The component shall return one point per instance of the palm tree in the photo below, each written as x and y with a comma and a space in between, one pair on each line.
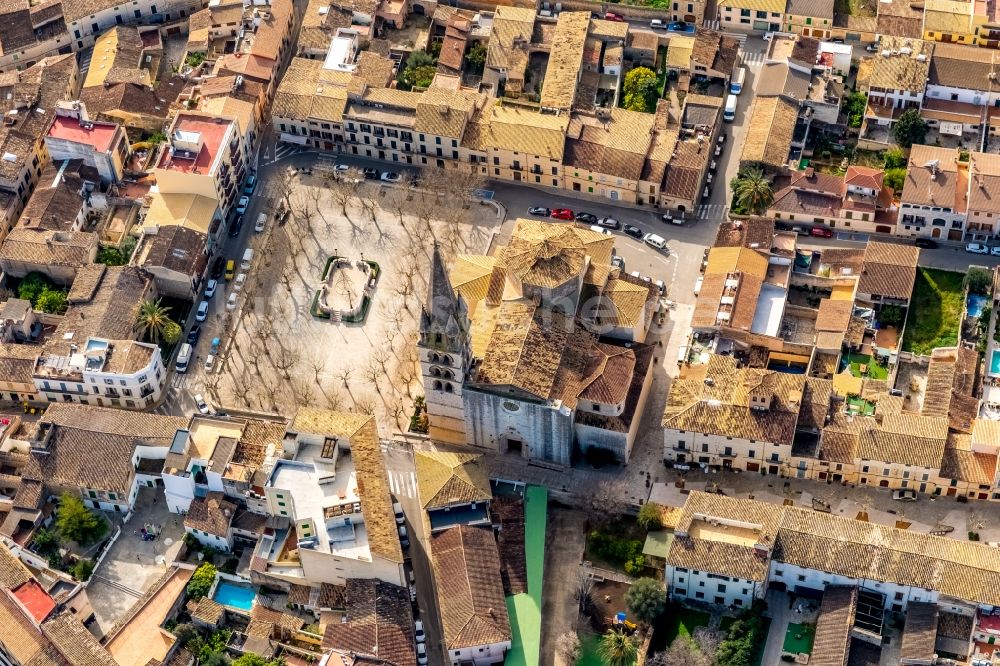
617, 649
753, 190
152, 320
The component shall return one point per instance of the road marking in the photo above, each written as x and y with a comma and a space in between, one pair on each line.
711, 211
403, 484
753, 60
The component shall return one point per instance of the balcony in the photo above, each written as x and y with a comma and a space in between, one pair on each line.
727, 454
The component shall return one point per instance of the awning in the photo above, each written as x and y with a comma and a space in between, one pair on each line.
294, 138
953, 129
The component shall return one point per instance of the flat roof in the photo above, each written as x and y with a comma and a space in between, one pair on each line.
34, 599
212, 134
98, 135
205, 434
770, 310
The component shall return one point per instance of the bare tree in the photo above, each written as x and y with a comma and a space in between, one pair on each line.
286, 187
606, 501
583, 591
708, 640
344, 287
365, 404
334, 398
343, 190
382, 358
212, 384
371, 372
568, 647
305, 392
318, 365
285, 359
344, 374
682, 652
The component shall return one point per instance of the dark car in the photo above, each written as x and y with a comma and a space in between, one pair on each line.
218, 268
586, 218
562, 214
236, 227
539, 211
609, 223
634, 232
193, 335
371, 174
926, 243
821, 232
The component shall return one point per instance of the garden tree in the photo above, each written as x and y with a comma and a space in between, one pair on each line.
708, 640
254, 659
895, 178
201, 580
639, 89
152, 320
184, 633
891, 315
854, 106
682, 652
978, 280
584, 588
78, 523
650, 516
894, 158
82, 569
419, 71
740, 644
753, 190
647, 599
32, 286
910, 128
475, 58
568, 647
52, 301
617, 648
172, 333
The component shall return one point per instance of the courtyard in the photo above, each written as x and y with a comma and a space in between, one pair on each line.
301, 334
935, 311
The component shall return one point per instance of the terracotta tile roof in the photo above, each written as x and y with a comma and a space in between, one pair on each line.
74, 642
17, 361
617, 146
933, 179
206, 610
445, 478
565, 60
176, 248
910, 27
772, 125
276, 617
299, 594
721, 402
57, 200
889, 269
985, 182
543, 255
42, 246
864, 177
755, 233
470, 592
833, 627
811, 8
834, 315
919, 632
378, 626
816, 397
951, 377
525, 349
519, 130
898, 72
443, 112
212, 514
248, 521
960, 462
12, 570
332, 596
20, 638
512, 29
907, 439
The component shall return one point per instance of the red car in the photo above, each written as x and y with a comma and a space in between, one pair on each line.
562, 213
821, 232
611, 16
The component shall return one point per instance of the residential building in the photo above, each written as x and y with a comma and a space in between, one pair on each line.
60, 255
87, 21
516, 403
732, 418
62, 200
771, 132
204, 157
453, 487
377, 626
950, 21
895, 79
331, 489
470, 595
810, 18
92, 357
689, 12
209, 520
934, 202
198, 460
176, 257
859, 200
960, 100
751, 15
983, 216
888, 273
102, 146
714, 55
35, 631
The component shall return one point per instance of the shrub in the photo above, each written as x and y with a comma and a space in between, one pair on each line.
978, 280
650, 516
78, 523
201, 581
635, 565
614, 549
82, 569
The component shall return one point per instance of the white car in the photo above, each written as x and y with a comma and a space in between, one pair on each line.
421, 654
199, 400
977, 248
995, 250
904, 495
342, 168
209, 362
261, 223
202, 313
391, 177
697, 284
241, 280
231, 301
418, 631
241, 205
210, 288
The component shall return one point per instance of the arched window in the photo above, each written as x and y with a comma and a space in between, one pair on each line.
434, 358
446, 360
447, 388
435, 372
447, 374
437, 385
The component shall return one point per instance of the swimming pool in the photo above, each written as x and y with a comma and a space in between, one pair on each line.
235, 596
995, 362
975, 304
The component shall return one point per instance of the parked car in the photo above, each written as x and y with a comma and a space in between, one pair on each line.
821, 232
251, 184
661, 286
261, 223
618, 262
241, 205
562, 214
341, 169
634, 232
199, 400
600, 230
698, 283
193, 334
977, 248
995, 251
370, 173
904, 495
586, 218
722, 137
211, 286
640, 276
241, 280
397, 510
658, 24
421, 655
391, 177
418, 631
609, 223
926, 243
230, 270
539, 211
231, 301
236, 226
202, 313
209, 362
218, 268
611, 16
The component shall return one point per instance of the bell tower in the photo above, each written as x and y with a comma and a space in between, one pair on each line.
445, 356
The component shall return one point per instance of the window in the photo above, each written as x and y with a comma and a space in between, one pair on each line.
801, 578
722, 587
699, 595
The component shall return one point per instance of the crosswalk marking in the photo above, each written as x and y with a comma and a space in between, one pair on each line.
710, 25
281, 151
753, 60
403, 483
711, 211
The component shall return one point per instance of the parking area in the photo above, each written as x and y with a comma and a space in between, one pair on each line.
132, 564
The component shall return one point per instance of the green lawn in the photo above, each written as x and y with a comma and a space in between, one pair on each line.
681, 621
875, 371
525, 610
861, 406
799, 638
935, 311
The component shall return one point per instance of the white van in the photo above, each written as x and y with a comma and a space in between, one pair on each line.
183, 358
247, 259
658, 242
736, 84
730, 113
